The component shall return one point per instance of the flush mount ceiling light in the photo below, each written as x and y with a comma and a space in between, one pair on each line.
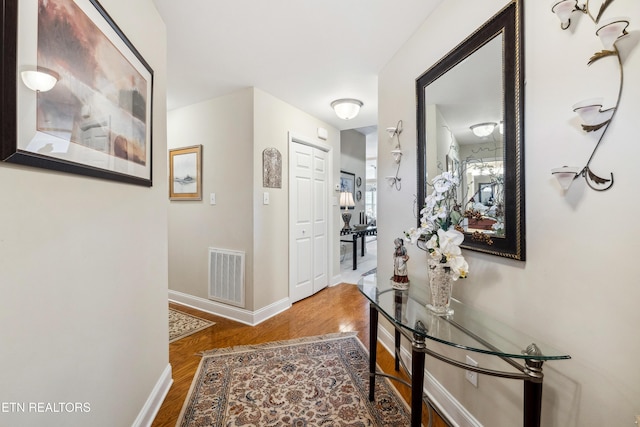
482, 130
346, 108
39, 80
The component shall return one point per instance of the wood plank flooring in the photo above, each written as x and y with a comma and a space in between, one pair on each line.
336, 309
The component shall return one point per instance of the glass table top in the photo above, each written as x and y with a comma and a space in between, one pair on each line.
467, 328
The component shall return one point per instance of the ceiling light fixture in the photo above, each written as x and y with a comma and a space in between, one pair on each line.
482, 130
346, 108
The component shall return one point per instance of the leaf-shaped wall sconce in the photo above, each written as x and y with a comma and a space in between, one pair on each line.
594, 117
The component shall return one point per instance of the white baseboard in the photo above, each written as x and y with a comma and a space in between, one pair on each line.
448, 405
241, 315
154, 401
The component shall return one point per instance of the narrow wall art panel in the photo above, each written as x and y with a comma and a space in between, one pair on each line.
271, 168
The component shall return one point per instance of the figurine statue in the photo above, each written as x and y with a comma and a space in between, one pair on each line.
400, 280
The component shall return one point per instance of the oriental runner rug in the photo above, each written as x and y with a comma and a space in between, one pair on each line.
314, 381
182, 324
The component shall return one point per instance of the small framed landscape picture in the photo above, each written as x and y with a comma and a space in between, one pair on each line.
185, 173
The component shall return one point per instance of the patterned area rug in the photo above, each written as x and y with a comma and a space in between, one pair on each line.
182, 325
315, 381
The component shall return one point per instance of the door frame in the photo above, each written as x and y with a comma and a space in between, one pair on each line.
295, 138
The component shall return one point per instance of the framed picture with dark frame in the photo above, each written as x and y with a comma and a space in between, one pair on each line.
94, 117
185, 173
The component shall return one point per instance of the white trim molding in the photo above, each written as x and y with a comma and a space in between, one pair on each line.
151, 407
448, 405
336, 280
241, 315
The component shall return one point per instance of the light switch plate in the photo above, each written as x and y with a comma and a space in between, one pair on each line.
212, 198
265, 198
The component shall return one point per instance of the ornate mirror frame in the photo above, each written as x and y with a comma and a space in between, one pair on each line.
507, 22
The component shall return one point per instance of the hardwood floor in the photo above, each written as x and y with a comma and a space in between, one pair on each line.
336, 309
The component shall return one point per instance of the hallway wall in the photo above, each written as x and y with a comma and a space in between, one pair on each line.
576, 290
353, 150
83, 276
234, 131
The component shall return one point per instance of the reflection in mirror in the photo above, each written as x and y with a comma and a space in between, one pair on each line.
463, 109
470, 124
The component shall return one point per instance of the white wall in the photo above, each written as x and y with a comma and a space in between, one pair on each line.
234, 131
223, 127
576, 290
353, 148
274, 119
84, 302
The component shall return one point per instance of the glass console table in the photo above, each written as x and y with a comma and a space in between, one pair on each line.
466, 329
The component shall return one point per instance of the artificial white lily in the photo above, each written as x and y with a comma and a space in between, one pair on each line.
451, 237
459, 267
438, 219
413, 234
440, 212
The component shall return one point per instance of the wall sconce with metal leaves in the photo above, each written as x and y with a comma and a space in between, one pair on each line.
394, 132
591, 111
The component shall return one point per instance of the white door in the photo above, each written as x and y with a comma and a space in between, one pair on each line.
320, 204
308, 253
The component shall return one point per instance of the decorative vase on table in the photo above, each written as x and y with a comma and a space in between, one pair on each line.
440, 235
440, 287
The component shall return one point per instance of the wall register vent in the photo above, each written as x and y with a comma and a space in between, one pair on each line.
226, 276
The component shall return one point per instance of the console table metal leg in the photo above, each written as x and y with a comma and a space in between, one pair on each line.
373, 349
417, 376
355, 251
532, 404
397, 349
533, 394
362, 243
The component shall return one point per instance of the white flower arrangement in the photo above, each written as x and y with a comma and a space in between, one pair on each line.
439, 221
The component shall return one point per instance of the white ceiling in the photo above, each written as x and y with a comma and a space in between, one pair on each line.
304, 52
